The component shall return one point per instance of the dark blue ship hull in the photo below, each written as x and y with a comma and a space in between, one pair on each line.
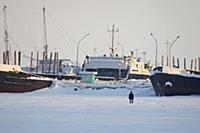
138, 76
166, 84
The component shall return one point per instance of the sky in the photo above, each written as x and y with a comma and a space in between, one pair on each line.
69, 20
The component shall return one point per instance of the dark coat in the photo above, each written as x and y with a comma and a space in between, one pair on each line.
131, 95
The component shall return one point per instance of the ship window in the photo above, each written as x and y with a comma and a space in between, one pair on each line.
91, 70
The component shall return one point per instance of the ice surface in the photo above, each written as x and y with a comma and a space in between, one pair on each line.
61, 109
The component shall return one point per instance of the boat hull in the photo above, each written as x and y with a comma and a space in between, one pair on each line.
115, 74
13, 82
138, 76
166, 84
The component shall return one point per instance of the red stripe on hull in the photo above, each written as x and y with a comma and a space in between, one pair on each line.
17, 82
21, 89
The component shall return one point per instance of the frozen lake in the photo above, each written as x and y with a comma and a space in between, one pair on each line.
61, 109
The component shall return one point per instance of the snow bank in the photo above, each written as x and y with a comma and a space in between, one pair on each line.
139, 87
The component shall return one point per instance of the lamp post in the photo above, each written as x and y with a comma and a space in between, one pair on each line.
77, 53
156, 54
170, 49
167, 52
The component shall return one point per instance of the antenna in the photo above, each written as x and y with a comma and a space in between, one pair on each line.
45, 36
113, 31
94, 51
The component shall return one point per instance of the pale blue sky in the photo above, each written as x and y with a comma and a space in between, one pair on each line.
135, 19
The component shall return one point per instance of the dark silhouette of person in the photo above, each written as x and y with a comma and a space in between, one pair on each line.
131, 97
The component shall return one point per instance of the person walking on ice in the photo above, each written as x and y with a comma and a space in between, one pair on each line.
131, 97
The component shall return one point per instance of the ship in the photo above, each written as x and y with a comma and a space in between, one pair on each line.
117, 68
114, 67
48, 66
107, 67
57, 69
168, 81
14, 80
138, 69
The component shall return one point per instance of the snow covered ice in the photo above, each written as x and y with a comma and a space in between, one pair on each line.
61, 109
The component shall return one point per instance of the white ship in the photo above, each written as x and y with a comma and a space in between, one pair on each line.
114, 67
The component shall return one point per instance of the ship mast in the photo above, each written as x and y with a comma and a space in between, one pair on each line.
7, 54
45, 36
113, 31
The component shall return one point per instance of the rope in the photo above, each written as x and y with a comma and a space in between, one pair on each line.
58, 27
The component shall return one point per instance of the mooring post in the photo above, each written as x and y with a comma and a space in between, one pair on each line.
184, 63
31, 61
43, 57
178, 64
19, 58
50, 63
15, 58
173, 61
191, 65
199, 63
54, 63
195, 64
37, 61
57, 65
4, 58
